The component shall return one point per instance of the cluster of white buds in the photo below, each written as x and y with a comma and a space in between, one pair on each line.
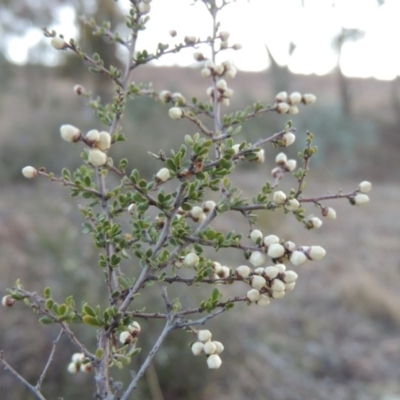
279, 251
225, 69
220, 271
223, 92
7, 301
165, 96
190, 39
362, 198
287, 104
100, 143
130, 335
283, 165
211, 349
79, 363
266, 283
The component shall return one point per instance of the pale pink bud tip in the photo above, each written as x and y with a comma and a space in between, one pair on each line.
214, 361
175, 113
97, 158
70, 133
204, 335
7, 301
163, 174
257, 258
197, 348
58, 43
29, 172
361, 199
365, 187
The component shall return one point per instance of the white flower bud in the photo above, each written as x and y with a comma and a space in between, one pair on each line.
281, 158
131, 207
260, 156
93, 135
228, 93
222, 85
173, 32
277, 285
290, 246
29, 172
225, 102
292, 205
58, 43
257, 258
295, 98
197, 348
360, 199
308, 99
278, 295
282, 108
289, 286
214, 361
209, 64
289, 277
224, 35
243, 271
175, 113
365, 187
271, 272
258, 282
219, 70
279, 197
259, 271
204, 335
281, 96
163, 174
227, 64
70, 133
314, 222
125, 337
237, 46
198, 56
280, 267
210, 348
217, 267
165, 96
144, 8
72, 368
104, 142
316, 253
219, 347
190, 39
255, 235
329, 213
209, 206
276, 250
79, 89
77, 357
270, 239
263, 301
87, 367
178, 97
225, 272
134, 329
205, 72
191, 260
293, 110
231, 73
253, 295
7, 301
97, 158
290, 165
298, 258
288, 138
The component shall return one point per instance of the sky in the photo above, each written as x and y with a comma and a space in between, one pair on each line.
277, 23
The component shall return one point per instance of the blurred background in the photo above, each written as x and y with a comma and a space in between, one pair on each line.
337, 334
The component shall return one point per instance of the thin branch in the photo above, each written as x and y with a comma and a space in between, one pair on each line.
49, 361
33, 389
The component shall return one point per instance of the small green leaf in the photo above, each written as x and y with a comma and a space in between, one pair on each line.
89, 320
46, 320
